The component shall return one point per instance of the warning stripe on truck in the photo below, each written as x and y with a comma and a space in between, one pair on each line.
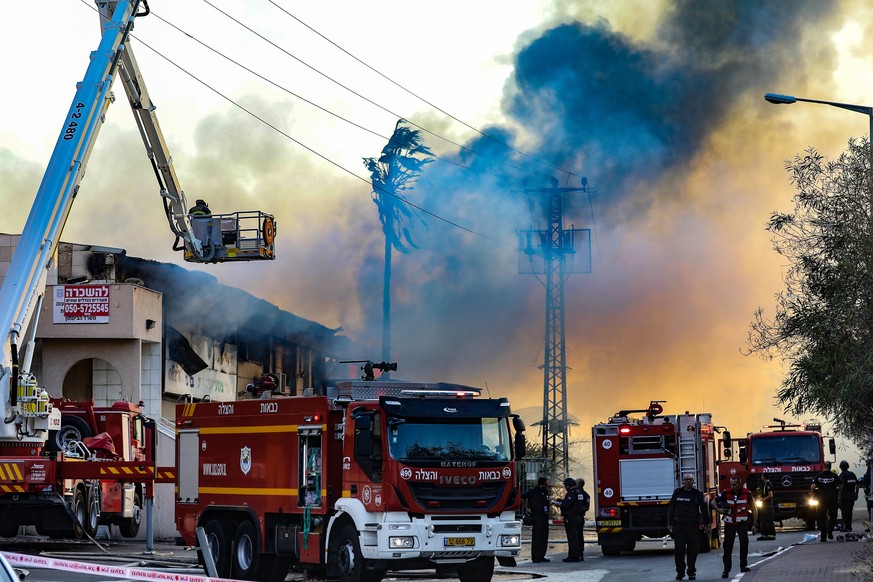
10, 472
123, 572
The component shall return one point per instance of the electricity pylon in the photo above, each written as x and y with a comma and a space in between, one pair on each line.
546, 252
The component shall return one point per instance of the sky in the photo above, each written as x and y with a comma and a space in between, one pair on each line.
658, 103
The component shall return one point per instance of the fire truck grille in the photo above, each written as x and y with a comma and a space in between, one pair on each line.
482, 497
458, 528
783, 481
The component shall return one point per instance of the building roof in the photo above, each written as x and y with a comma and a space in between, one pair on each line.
198, 302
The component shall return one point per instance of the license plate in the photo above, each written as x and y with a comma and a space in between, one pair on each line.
609, 523
787, 505
459, 542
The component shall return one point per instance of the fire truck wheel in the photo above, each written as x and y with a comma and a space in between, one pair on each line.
92, 517
246, 558
479, 570
611, 549
350, 562
129, 527
72, 429
80, 511
8, 529
218, 538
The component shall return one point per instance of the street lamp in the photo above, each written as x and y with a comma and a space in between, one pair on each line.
778, 99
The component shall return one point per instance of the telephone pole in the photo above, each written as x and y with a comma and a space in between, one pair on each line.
551, 252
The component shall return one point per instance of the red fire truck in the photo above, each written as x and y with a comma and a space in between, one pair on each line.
638, 463
792, 455
373, 476
96, 469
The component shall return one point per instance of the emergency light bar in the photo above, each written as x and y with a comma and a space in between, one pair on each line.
363, 390
426, 393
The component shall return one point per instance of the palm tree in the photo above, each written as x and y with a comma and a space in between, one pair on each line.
393, 173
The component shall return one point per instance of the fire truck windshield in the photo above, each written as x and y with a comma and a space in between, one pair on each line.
440, 439
782, 449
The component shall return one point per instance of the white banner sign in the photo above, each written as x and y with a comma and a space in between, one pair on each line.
81, 304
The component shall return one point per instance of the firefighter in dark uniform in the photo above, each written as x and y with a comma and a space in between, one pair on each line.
687, 516
571, 511
825, 489
585, 499
766, 527
200, 208
738, 511
849, 494
538, 505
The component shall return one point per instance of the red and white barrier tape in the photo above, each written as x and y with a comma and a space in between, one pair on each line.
26, 560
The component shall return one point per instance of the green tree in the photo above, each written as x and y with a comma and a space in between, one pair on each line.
391, 174
823, 322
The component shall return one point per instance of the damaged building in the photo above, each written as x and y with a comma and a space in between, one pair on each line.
114, 327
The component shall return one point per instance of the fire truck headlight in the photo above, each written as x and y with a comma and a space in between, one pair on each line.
759, 503
813, 502
401, 542
510, 541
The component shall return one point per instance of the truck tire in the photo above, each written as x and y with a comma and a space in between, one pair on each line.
350, 562
80, 513
129, 527
72, 428
218, 540
246, 558
8, 529
479, 570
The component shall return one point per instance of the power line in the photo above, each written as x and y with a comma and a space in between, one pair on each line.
352, 91
422, 99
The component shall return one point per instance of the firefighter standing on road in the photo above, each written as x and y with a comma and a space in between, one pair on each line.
538, 504
585, 500
766, 527
848, 495
826, 488
571, 511
686, 518
736, 505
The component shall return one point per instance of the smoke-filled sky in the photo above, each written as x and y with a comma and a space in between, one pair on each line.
658, 103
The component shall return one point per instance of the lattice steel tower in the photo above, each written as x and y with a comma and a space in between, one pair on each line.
546, 252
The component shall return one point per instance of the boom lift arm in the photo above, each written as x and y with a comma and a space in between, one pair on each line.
217, 238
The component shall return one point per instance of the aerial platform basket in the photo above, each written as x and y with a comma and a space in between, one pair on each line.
234, 236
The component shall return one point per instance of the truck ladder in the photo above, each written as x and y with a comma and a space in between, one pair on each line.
689, 447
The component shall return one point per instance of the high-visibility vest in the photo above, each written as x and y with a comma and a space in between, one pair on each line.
738, 506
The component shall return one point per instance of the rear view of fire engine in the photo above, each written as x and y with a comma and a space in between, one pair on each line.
373, 476
791, 454
638, 463
71, 489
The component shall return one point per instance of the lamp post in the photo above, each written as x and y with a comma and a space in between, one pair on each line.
778, 99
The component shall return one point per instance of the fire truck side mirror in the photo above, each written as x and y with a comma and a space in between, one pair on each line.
742, 449
832, 446
520, 445
363, 436
726, 439
517, 424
